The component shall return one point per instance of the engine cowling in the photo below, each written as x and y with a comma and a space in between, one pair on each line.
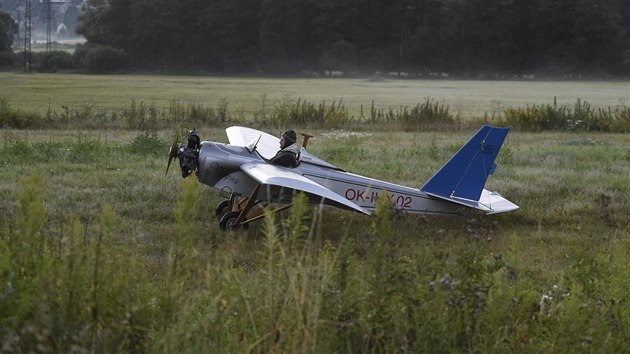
188, 154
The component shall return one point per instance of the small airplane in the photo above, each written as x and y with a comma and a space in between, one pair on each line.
242, 170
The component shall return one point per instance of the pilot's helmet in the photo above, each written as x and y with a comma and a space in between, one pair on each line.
289, 137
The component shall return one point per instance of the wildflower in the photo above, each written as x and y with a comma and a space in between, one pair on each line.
445, 283
543, 300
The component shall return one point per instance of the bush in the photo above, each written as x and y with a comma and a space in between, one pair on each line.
582, 117
10, 117
7, 58
80, 52
425, 115
101, 59
56, 60
332, 115
147, 142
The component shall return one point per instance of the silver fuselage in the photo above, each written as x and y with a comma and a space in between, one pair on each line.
220, 168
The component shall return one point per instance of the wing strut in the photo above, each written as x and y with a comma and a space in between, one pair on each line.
248, 206
241, 214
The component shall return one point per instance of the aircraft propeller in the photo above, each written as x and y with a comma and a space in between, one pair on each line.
173, 151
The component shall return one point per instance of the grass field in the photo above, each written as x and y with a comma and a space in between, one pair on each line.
100, 252
38, 92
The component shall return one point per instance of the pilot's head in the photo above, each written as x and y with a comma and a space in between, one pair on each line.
287, 138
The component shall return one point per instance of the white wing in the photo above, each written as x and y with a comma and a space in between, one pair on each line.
268, 145
277, 176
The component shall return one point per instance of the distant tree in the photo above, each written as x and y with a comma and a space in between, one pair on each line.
56, 60
286, 34
333, 21
71, 19
407, 16
102, 59
230, 35
155, 33
8, 29
521, 28
554, 38
160, 32
427, 42
106, 22
341, 55
379, 32
624, 11
598, 35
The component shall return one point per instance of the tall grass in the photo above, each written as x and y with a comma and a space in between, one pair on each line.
427, 115
580, 117
15, 118
102, 253
333, 115
298, 288
80, 291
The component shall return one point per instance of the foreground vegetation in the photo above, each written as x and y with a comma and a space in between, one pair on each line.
100, 252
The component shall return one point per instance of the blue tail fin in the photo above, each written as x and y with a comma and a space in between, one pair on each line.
465, 174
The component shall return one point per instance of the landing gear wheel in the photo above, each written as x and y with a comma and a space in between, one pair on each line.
222, 209
228, 222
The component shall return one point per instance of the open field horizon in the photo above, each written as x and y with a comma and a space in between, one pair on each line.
41, 92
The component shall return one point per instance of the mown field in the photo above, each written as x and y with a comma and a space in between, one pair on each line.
99, 251
42, 92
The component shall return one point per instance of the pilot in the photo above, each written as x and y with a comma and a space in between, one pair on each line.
286, 156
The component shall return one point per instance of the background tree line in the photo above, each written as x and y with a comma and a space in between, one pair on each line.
8, 29
459, 37
464, 37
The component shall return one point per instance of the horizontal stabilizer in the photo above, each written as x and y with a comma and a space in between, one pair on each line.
489, 202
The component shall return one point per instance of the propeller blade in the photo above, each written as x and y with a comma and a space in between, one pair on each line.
172, 153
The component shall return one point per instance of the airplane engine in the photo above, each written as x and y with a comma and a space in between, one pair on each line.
188, 154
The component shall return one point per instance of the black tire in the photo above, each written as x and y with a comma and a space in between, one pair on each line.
228, 222
222, 209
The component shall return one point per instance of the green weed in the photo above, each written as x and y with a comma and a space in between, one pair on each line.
428, 115
14, 118
147, 142
581, 117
